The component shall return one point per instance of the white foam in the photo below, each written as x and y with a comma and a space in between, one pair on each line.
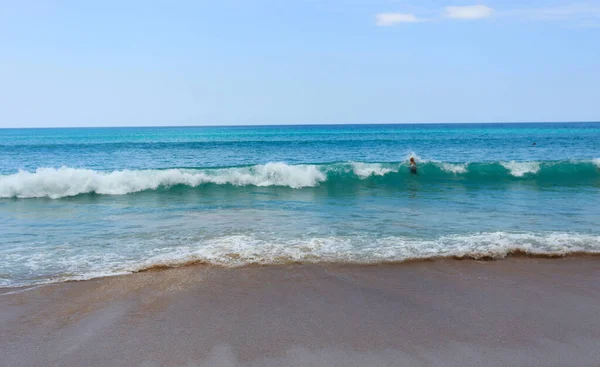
454, 168
519, 169
596, 162
62, 182
75, 263
364, 170
56, 183
244, 250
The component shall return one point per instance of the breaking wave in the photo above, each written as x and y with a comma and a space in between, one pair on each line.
244, 250
64, 182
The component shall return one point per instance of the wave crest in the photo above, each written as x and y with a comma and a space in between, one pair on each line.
519, 169
455, 168
64, 182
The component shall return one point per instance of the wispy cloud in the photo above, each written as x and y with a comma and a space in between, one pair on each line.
391, 19
470, 12
577, 11
581, 14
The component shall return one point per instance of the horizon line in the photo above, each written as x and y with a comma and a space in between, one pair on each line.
298, 125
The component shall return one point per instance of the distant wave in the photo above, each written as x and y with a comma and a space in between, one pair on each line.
64, 182
243, 250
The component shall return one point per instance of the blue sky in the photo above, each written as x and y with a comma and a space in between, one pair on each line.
114, 63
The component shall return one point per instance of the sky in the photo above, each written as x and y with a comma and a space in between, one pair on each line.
227, 62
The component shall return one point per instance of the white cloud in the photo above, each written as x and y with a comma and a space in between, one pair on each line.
468, 12
392, 19
582, 14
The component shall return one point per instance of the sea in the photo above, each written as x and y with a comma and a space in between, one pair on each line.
80, 203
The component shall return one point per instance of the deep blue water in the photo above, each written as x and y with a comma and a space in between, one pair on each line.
79, 203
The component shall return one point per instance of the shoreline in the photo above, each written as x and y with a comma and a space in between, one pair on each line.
160, 267
517, 311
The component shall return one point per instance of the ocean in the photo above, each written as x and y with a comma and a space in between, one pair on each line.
90, 202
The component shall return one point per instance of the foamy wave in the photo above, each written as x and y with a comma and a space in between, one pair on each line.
519, 169
241, 250
365, 170
245, 250
56, 183
64, 182
454, 168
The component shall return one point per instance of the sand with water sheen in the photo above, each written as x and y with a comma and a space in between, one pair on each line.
518, 312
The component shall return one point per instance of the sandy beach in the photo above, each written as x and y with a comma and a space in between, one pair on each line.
519, 311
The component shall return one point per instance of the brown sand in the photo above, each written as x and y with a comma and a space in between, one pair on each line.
517, 312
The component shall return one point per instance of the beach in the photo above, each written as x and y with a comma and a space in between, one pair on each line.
518, 311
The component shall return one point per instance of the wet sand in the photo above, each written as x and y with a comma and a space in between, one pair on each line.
518, 312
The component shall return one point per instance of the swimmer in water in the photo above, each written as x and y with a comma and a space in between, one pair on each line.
413, 166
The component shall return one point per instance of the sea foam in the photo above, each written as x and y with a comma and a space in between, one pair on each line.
519, 169
62, 182
242, 250
455, 168
56, 183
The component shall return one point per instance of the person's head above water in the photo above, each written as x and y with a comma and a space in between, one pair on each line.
412, 159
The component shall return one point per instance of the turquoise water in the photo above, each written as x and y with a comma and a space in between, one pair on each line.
81, 203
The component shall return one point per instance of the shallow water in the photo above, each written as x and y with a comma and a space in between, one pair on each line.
80, 203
